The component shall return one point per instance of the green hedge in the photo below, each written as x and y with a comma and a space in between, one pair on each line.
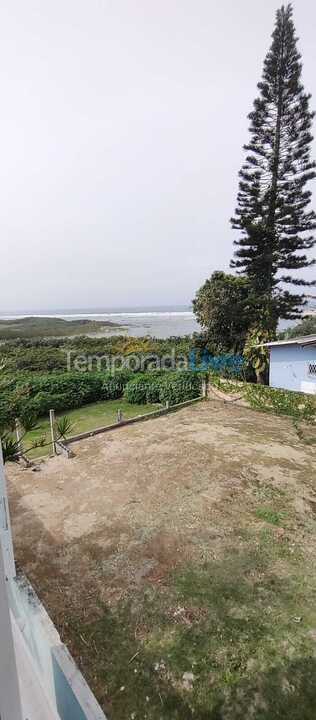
136, 390
261, 397
174, 387
113, 385
35, 395
181, 387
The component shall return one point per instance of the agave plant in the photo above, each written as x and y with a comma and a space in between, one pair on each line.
29, 422
63, 426
10, 447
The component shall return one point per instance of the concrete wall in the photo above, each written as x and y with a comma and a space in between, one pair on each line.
10, 704
64, 685
289, 368
38, 677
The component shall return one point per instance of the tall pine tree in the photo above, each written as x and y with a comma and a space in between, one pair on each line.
273, 200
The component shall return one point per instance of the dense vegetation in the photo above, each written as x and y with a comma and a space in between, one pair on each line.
42, 355
30, 396
164, 387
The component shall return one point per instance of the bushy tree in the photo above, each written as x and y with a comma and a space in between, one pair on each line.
273, 211
306, 327
223, 309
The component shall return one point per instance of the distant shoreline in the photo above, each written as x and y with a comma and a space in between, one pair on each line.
63, 311
32, 326
160, 322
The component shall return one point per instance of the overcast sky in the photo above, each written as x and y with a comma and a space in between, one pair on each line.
122, 125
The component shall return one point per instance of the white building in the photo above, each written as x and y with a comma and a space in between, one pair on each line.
293, 364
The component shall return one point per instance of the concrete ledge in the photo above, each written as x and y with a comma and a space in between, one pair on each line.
35, 701
131, 421
66, 690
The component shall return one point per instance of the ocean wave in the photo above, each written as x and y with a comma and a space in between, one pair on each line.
173, 313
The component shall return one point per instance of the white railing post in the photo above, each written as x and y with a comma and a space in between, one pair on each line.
52, 429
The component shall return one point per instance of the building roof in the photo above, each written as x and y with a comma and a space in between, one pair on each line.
302, 341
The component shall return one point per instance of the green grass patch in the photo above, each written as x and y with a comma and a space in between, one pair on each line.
226, 640
88, 417
270, 516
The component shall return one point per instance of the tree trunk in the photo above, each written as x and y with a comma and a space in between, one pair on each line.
261, 377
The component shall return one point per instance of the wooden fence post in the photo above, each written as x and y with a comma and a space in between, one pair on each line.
119, 416
204, 388
52, 429
18, 436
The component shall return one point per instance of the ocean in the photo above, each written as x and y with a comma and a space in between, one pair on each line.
160, 322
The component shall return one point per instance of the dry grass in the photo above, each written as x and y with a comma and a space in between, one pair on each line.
177, 558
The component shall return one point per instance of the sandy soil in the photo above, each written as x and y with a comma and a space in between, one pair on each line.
135, 502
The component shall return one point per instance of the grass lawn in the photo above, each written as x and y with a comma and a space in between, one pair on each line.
85, 418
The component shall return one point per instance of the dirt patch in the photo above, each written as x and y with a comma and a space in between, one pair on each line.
185, 540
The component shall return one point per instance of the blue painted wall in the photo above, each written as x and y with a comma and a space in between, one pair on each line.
289, 368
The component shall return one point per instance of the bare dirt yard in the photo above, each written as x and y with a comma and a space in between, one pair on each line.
177, 558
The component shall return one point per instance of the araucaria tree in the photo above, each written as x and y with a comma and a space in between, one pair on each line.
273, 211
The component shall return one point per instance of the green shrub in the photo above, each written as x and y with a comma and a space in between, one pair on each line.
180, 387
174, 387
12, 399
153, 391
136, 389
113, 385
7, 413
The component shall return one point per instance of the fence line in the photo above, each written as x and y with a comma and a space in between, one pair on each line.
60, 445
131, 421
